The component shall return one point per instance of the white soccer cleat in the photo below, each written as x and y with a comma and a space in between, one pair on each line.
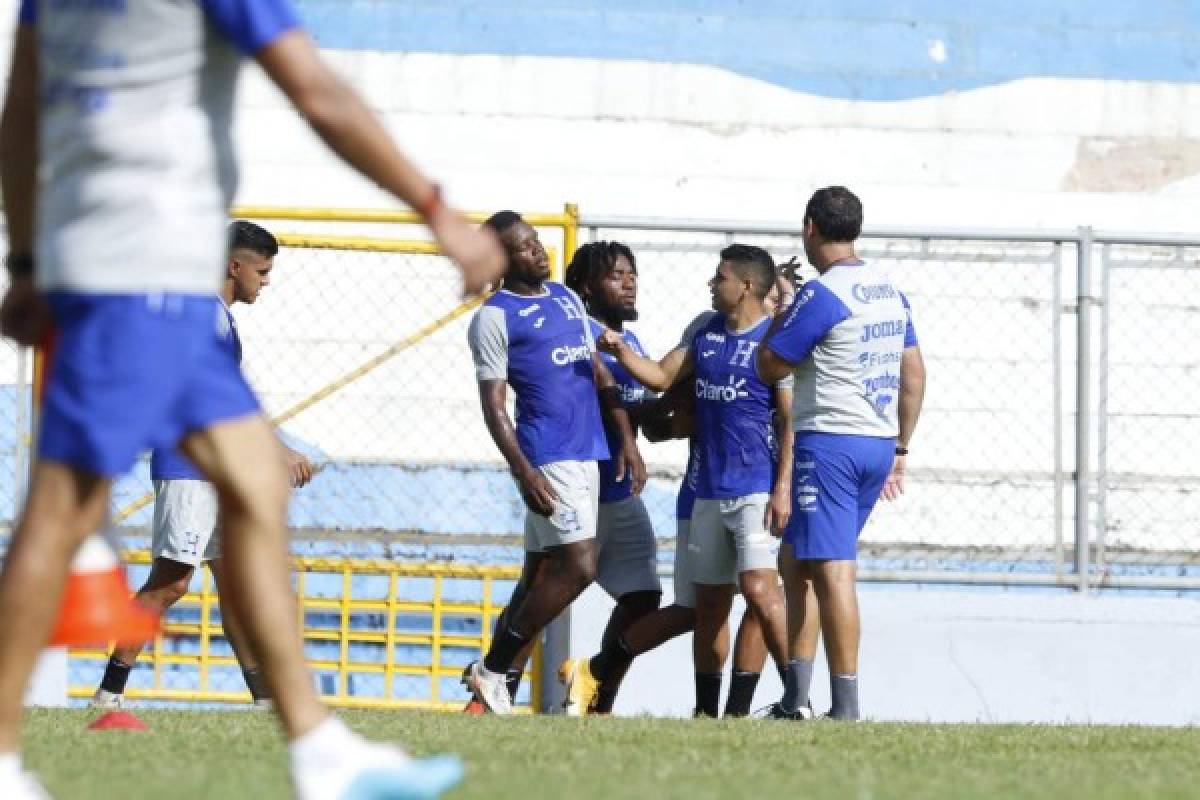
489, 688
106, 699
22, 786
363, 770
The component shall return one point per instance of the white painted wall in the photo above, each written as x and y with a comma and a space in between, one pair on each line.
948, 655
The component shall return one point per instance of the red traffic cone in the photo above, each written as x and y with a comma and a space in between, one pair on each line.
117, 721
96, 606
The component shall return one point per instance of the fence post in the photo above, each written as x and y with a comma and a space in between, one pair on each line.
1083, 400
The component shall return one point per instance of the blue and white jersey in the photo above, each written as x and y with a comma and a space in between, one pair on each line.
168, 463
735, 440
846, 333
137, 157
633, 393
542, 346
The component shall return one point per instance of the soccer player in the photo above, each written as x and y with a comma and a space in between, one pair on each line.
859, 382
185, 505
743, 467
117, 128
604, 275
533, 335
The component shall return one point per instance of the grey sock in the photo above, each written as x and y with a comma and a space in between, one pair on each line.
845, 697
797, 679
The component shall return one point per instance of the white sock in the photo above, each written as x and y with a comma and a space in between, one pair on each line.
10, 764
330, 735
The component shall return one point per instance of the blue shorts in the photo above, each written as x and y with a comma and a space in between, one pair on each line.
135, 371
836, 480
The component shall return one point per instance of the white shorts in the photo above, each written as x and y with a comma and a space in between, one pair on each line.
627, 554
685, 590
577, 484
185, 522
728, 537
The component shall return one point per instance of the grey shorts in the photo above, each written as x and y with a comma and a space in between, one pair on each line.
685, 590
577, 484
185, 522
728, 537
627, 554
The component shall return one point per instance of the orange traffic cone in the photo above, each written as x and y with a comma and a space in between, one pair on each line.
96, 606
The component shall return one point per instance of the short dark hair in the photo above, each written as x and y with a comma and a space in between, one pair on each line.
593, 260
836, 213
245, 235
753, 264
501, 221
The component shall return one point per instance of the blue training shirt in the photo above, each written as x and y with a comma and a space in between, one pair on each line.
632, 393
735, 441
542, 346
168, 463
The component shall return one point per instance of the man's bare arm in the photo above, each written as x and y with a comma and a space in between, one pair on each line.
535, 489
656, 375
19, 142
779, 509
912, 397
615, 415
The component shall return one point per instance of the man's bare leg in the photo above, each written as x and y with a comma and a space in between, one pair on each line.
235, 634
836, 588
241, 458
63, 506
710, 645
804, 631
167, 582
749, 656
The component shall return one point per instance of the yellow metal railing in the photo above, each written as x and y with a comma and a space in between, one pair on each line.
342, 573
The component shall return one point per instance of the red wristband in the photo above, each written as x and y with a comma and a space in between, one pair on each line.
431, 204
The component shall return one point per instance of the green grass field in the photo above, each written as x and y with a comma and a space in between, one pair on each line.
239, 755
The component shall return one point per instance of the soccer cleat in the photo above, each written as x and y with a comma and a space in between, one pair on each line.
489, 688
370, 771
475, 708
777, 711
19, 785
106, 699
581, 686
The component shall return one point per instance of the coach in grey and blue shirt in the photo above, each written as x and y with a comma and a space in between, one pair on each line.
859, 383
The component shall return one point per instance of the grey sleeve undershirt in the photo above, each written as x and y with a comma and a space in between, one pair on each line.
689, 332
488, 337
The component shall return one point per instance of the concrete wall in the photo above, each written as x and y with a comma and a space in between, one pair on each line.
971, 656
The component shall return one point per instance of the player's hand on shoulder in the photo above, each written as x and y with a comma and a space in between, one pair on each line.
893, 487
24, 315
476, 250
610, 341
300, 469
537, 492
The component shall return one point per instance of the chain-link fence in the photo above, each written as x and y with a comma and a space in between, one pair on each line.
993, 489
1148, 388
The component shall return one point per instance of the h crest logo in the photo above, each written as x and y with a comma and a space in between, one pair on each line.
743, 353
569, 307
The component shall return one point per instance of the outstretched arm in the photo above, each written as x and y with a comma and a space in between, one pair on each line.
656, 375
343, 121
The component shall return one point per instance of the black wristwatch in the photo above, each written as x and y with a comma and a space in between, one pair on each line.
901, 451
20, 265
